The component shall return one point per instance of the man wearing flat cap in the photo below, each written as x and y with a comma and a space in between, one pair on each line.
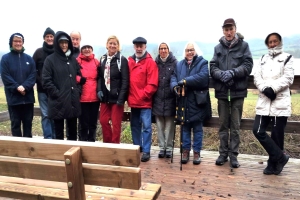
39, 57
143, 83
230, 67
18, 76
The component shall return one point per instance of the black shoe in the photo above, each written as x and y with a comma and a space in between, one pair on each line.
185, 156
197, 158
221, 160
280, 164
269, 170
234, 162
168, 154
145, 157
161, 153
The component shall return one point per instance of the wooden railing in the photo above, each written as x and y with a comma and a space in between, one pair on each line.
246, 123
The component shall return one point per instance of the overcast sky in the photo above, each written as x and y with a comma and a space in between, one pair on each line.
156, 20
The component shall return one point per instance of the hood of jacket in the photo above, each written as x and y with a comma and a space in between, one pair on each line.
57, 48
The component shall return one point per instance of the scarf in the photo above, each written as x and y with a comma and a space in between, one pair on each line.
231, 43
107, 71
13, 50
68, 53
275, 51
49, 49
164, 59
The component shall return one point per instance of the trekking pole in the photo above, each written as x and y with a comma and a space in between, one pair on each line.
229, 121
176, 117
182, 122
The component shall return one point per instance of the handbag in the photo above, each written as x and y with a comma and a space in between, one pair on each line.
201, 97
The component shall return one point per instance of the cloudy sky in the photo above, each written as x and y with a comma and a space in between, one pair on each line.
156, 20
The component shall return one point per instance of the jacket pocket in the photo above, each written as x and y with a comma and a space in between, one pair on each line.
201, 97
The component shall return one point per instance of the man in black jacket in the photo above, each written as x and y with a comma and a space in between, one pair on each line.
39, 57
230, 67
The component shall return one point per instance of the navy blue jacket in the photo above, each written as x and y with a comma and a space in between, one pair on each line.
197, 79
18, 68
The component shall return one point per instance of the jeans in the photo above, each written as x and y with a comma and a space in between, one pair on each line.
197, 135
71, 125
88, 121
21, 114
229, 143
111, 113
141, 129
47, 124
165, 132
259, 130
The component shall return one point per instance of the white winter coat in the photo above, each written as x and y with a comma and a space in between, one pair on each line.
272, 72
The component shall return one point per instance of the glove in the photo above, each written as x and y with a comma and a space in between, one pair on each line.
228, 75
100, 95
269, 92
176, 91
219, 75
181, 83
229, 83
82, 80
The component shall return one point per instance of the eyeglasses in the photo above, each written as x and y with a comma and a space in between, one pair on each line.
17, 41
161, 49
189, 50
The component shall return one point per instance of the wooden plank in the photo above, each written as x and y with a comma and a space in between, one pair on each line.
26, 192
147, 190
73, 164
105, 175
92, 152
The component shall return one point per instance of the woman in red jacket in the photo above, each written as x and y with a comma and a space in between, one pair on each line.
112, 89
89, 100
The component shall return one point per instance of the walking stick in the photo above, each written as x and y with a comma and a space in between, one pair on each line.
229, 122
176, 117
182, 122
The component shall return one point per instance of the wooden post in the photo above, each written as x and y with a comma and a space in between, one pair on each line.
75, 181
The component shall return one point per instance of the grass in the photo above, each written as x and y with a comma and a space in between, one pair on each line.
248, 145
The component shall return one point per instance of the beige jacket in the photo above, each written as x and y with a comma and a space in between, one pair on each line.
272, 72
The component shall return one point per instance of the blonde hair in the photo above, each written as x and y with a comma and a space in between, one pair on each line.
111, 38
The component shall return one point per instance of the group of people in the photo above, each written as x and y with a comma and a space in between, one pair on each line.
72, 84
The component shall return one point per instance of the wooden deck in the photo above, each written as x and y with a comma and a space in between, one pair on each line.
208, 181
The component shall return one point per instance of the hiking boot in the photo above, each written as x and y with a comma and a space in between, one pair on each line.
197, 158
221, 160
269, 170
234, 162
161, 153
168, 154
280, 164
145, 157
185, 156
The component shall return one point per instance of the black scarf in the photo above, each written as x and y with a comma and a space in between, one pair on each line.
49, 49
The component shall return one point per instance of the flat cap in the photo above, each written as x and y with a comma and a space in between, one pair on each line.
63, 37
229, 22
139, 40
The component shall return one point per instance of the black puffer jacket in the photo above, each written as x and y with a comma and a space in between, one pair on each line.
119, 80
238, 58
59, 79
164, 100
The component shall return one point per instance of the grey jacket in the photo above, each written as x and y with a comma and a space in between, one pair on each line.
238, 58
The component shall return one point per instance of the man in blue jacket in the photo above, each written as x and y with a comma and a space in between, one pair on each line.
18, 75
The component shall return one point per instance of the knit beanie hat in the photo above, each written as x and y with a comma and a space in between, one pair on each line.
12, 37
48, 31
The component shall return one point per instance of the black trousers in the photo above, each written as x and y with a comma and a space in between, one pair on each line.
21, 114
88, 121
274, 144
71, 125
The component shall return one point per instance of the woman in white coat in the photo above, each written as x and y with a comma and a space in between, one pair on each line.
273, 77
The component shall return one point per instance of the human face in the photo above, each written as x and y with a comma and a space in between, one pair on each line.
163, 50
87, 50
17, 43
229, 32
190, 52
75, 37
112, 46
139, 49
63, 44
273, 41
49, 39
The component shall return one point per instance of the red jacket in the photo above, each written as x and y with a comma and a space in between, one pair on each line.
88, 68
143, 81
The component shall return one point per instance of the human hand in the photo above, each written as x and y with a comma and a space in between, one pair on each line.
21, 88
100, 95
181, 83
228, 75
82, 80
269, 92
